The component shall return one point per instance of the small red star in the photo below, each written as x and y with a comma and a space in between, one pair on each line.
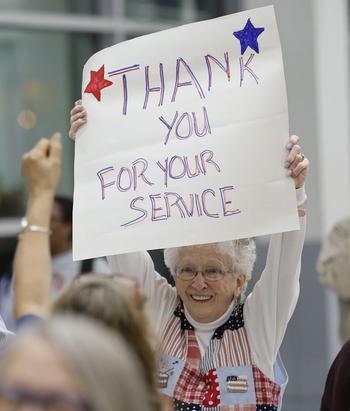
97, 83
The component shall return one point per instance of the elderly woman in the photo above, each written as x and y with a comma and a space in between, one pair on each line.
219, 351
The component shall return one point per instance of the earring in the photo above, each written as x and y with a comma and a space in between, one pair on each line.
237, 300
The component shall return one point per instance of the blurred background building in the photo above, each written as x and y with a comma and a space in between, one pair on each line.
43, 46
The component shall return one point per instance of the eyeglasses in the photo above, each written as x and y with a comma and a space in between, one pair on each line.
12, 399
188, 273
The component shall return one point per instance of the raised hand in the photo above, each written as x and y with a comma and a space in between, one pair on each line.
297, 164
41, 166
78, 117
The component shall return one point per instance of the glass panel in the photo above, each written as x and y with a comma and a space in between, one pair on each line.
180, 10
40, 77
145, 9
183, 10
149, 9
59, 6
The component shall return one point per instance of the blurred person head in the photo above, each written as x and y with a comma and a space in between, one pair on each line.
61, 225
71, 364
209, 277
117, 302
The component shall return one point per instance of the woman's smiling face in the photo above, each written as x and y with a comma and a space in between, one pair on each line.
206, 301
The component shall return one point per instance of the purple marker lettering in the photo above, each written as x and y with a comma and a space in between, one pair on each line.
165, 170
167, 206
188, 210
204, 198
206, 157
154, 217
190, 128
119, 178
206, 125
176, 203
171, 172
141, 174
125, 95
225, 202
123, 70
141, 210
149, 89
244, 67
197, 170
100, 174
168, 126
226, 69
198, 205
193, 80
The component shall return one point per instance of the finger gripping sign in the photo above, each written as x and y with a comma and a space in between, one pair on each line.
185, 139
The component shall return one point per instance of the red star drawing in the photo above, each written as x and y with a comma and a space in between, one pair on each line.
97, 83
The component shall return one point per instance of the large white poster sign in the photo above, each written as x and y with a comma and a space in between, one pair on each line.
185, 139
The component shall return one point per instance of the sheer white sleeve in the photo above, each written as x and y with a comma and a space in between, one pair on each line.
271, 304
162, 297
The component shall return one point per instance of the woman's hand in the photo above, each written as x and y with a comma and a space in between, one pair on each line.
78, 117
297, 164
41, 166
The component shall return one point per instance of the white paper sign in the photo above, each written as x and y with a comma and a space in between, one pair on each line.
185, 140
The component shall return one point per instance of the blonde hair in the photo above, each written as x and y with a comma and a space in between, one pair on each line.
99, 358
119, 305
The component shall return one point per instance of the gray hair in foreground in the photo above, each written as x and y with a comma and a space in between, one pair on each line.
241, 253
98, 357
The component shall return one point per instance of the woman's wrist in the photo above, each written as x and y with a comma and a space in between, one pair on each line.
301, 195
39, 208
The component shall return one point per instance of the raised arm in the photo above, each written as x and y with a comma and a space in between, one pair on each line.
41, 169
272, 302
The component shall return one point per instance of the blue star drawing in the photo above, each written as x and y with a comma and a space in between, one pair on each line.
249, 37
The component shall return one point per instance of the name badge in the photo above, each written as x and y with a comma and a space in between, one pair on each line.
237, 384
163, 377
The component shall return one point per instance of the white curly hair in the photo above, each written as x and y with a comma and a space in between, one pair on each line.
241, 253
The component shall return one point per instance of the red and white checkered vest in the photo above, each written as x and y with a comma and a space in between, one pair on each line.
225, 379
